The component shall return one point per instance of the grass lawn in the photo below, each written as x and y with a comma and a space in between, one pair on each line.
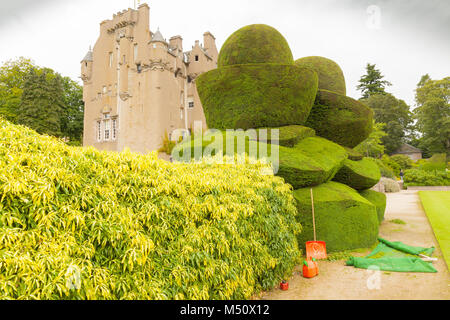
437, 207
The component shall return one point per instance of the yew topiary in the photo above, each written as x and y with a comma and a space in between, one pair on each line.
257, 95
311, 162
330, 74
378, 199
360, 175
344, 219
341, 119
257, 43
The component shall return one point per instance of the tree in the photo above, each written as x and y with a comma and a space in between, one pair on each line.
372, 83
73, 111
42, 102
12, 79
433, 114
13, 75
373, 145
396, 116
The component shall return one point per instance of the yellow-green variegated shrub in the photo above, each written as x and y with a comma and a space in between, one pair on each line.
83, 224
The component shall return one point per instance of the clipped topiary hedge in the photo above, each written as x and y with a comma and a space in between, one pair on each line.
359, 175
378, 199
288, 136
353, 154
341, 119
344, 219
257, 43
257, 95
330, 74
130, 226
311, 162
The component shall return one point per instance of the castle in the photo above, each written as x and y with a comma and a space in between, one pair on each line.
138, 87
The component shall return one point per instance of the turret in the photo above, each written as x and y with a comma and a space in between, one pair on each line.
86, 66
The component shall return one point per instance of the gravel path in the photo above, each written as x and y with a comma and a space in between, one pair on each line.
339, 282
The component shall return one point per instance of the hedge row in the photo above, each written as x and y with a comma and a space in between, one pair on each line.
136, 227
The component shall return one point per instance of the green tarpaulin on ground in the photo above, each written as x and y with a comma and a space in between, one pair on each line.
395, 256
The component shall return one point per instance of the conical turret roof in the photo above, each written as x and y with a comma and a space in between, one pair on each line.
88, 57
158, 37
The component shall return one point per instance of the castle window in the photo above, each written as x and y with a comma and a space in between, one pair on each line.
139, 68
196, 58
107, 124
114, 129
189, 79
99, 131
190, 103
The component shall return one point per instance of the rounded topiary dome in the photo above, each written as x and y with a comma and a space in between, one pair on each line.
257, 43
330, 74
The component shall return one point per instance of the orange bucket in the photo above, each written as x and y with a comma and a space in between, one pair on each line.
310, 268
315, 249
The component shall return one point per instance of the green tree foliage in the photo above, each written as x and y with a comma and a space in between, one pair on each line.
403, 161
433, 114
373, 145
73, 111
372, 82
395, 114
13, 76
12, 79
42, 102
389, 163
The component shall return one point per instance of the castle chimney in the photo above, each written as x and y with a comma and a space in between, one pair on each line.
209, 41
177, 42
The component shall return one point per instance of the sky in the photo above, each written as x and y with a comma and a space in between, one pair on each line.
404, 38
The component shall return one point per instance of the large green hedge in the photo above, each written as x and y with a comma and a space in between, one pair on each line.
136, 227
257, 95
258, 43
311, 162
330, 74
344, 219
341, 119
360, 175
378, 199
